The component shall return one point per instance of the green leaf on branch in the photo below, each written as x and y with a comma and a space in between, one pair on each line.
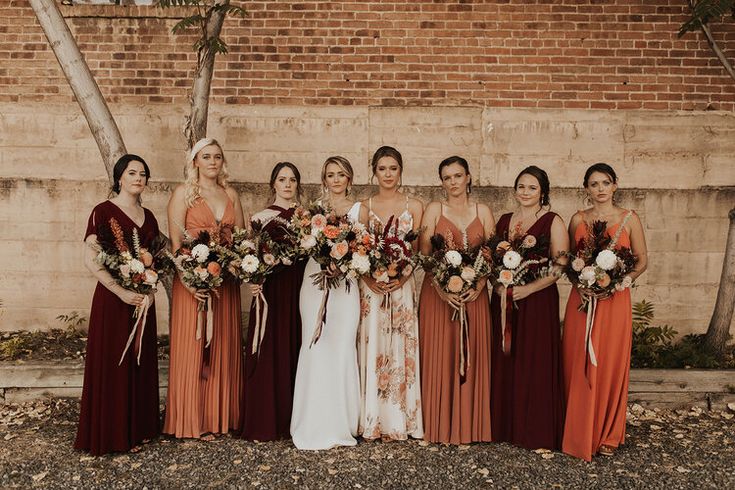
705, 10
187, 22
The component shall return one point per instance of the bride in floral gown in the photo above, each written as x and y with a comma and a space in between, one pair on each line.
388, 337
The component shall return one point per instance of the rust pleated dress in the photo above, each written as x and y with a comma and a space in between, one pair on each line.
455, 412
596, 403
196, 404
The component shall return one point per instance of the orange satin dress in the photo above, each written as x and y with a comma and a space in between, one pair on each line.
455, 412
195, 405
596, 408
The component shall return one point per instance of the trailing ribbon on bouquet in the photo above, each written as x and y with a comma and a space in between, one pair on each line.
136, 335
589, 357
260, 321
506, 318
205, 320
464, 332
387, 304
321, 316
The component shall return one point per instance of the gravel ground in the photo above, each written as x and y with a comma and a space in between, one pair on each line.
664, 449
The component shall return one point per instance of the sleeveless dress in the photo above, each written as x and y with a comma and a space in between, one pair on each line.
455, 412
119, 407
270, 373
388, 351
326, 405
595, 413
527, 384
196, 405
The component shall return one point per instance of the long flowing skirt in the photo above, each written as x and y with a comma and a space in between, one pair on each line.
326, 405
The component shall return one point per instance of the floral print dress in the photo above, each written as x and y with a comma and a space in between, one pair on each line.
388, 351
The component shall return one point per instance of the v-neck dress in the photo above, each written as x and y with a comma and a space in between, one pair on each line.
596, 403
119, 407
455, 412
388, 350
197, 405
527, 383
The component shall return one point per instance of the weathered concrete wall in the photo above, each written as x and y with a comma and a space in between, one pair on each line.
676, 170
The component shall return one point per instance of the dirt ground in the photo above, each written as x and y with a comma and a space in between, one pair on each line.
664, 449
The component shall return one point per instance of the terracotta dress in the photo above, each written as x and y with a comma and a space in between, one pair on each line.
527, 384
454, 412
119, 407
270, 373
595, 413
199, 403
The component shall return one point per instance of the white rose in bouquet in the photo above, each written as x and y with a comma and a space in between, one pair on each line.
588, 275
360, 263
606, 260
308, 242
468, 274
151, 277
250, 264
136, 266
454, 258
511, 259
200, 253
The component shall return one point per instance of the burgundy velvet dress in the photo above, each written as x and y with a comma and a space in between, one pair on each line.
119, 407
270, 373
527, 400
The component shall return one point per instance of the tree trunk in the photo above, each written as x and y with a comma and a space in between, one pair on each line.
196, 126
718, 332
88, 95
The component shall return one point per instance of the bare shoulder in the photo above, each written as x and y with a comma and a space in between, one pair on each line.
577, 218
232, 193
415, 205
179, 192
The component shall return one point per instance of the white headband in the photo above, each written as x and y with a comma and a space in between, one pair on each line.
198, 147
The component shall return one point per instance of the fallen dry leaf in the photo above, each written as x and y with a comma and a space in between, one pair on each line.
731, 406
547, 455
332, 471
264, 467
40, 476
681, 469
483, 471
656, 427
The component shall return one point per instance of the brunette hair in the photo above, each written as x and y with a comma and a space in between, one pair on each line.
277, 169
543, 181
121, 165
459, 161
603, 168
386, 151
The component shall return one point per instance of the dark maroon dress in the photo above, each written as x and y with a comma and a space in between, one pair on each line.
270, 374
527, 396
119, 405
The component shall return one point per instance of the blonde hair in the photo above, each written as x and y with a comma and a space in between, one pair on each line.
191, 173
343, 165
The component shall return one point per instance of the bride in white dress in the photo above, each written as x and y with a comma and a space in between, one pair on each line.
326, 403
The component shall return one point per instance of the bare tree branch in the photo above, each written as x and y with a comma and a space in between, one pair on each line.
77, 73
196, 126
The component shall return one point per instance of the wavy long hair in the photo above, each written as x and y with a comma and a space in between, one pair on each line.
191, 173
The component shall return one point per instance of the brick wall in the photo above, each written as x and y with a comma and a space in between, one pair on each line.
603, 54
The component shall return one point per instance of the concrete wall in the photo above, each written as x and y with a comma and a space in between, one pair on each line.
676, 170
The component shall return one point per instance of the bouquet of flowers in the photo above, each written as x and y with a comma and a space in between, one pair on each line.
456, 270
251, 257
516, 260
133, 267
598, 269
336, 244
200, 262
390, 255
